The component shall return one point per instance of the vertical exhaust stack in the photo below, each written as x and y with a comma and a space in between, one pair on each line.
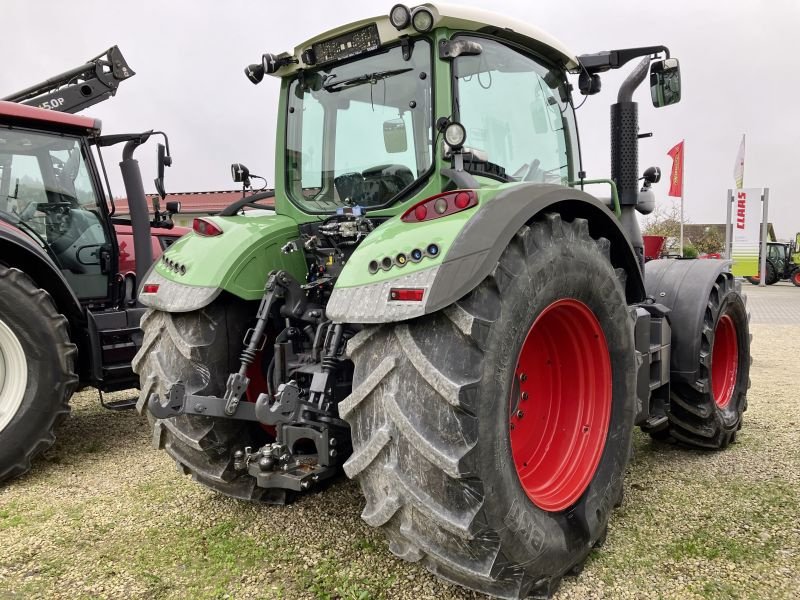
137, 203
625, 153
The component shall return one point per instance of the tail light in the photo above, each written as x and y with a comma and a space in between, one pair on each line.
440, 206
150, 288
205, 227
406, 294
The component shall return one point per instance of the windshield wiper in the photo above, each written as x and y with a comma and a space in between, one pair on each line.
335, 86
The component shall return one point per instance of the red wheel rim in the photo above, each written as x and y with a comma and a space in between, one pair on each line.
796, 278
560, 404
724, 361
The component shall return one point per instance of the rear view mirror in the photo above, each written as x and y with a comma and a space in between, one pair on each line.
665, 82
394, 136
164, 160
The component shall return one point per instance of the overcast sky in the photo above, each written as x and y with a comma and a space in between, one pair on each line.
736, 63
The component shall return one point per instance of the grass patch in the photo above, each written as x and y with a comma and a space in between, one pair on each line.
15, 514
331, 580
202, 562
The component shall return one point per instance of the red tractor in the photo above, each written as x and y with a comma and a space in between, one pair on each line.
69, 316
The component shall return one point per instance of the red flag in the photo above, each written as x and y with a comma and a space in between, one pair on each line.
676, 177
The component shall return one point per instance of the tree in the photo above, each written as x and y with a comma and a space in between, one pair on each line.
666, 221
710, 242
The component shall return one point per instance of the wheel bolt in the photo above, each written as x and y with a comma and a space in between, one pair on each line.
520, 414
524, 395
523, 377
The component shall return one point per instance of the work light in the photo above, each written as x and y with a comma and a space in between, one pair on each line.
400, 16
455, 135
422, 20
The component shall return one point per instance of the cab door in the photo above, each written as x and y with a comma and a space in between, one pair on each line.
48, 189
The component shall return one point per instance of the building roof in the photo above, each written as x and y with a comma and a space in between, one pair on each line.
193, 202
16, 111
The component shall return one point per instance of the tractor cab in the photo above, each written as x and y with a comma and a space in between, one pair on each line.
48, 190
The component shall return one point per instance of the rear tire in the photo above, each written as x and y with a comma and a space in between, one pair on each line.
772, 274
199, 349
707, 412
37, 371
431, 409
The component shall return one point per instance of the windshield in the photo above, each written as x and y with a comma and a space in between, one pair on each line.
360, 133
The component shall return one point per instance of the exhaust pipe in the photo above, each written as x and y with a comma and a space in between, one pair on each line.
625, 154
140, 215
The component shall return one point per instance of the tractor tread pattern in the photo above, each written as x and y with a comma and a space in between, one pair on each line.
413, 424
692, 415
176, 347
68, 355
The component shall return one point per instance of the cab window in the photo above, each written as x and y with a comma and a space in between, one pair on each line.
516, 113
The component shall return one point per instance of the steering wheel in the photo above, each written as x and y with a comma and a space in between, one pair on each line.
58, 218
47, 207
534, 173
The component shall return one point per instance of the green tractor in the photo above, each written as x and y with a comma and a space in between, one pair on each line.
783, 263
438, 306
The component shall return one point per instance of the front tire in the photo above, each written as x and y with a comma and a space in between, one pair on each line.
37, 371
795, 277
434, 401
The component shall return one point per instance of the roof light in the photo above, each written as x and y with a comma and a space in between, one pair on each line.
422, 20
440, 205
400, 16
406, 294
150, 288
205, 227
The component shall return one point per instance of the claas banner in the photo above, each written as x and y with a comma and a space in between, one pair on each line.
745, 227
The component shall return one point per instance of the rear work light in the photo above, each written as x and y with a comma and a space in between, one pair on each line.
150, 288
406, 294
440, 205
205, 227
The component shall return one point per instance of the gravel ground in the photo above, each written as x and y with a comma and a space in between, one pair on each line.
105, 516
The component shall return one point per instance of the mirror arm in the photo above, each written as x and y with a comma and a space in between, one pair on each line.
614, 59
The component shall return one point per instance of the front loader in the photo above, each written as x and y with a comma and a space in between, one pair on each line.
439, 306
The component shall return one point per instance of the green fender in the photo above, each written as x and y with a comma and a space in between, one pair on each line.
470, 244
196, 269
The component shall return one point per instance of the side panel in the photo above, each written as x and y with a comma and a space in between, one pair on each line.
470, 245
195, 269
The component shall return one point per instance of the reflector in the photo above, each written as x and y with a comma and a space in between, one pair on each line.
406, 294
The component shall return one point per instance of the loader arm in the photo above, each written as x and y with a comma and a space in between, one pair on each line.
80, 87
